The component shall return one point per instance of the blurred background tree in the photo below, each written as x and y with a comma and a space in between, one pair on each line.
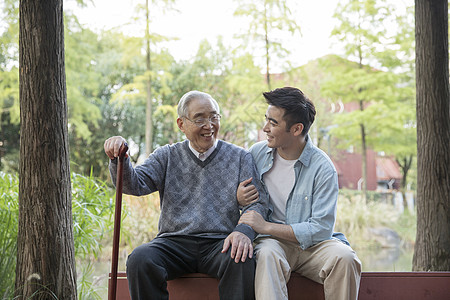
269, 20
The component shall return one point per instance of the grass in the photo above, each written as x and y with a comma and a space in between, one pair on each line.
355, 219
9, 212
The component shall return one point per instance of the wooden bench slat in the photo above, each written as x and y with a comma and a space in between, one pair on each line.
374, 285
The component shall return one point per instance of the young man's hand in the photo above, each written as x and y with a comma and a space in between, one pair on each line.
254, 220
247, 193
241, 246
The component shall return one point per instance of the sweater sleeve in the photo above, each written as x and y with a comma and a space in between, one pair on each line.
248, 169
145, 178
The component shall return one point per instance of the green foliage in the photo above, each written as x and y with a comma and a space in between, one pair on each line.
92, 211
267, 17
206, 72
312, 78
235, 82
82, 78
9, 94
362, 30
9, 212
155, 8
382, 87
9, 84
268, 20
166, 128
362, 27
9, 38
114, 69
85, 285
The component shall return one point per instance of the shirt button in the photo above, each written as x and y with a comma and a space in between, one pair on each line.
306, 198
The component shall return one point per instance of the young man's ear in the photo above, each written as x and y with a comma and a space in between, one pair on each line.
297, 129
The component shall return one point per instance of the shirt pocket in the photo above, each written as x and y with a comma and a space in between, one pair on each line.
299, 207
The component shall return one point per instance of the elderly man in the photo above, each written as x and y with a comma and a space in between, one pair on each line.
197, 180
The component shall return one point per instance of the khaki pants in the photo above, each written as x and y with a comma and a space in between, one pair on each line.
331, 263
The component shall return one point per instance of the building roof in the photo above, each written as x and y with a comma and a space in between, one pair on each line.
387, 169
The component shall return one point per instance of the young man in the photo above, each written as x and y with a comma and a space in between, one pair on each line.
197, 181
303, 187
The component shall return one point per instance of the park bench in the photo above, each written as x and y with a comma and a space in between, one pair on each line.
374, 285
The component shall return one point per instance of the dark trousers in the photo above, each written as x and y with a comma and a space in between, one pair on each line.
149, 267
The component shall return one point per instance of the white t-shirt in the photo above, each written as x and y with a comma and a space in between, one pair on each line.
280, 180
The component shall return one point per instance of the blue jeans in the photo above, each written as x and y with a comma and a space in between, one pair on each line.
150, 265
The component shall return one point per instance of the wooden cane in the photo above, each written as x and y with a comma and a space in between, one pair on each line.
117, 216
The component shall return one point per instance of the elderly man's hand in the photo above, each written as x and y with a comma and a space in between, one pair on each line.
241, 246
113, 145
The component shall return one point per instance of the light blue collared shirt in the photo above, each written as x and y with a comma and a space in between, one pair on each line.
311, 205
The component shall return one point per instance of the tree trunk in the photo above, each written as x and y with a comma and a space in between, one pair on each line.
363, 139
45, 248
149, 108
432, 248
364, 157
405, 165
266, 35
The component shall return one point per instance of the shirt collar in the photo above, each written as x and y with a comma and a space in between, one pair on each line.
206, 153
305, 157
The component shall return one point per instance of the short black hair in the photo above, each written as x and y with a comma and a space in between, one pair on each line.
298, 108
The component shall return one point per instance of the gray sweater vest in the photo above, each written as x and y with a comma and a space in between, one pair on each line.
196, 197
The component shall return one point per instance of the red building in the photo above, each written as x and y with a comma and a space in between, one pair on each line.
382, 172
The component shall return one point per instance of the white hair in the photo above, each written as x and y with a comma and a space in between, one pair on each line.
188, 97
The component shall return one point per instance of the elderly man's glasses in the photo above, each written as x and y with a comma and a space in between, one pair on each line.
200, 122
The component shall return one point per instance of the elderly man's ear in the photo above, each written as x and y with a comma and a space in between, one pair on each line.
180, 124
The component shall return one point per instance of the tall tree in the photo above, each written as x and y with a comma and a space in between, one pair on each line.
149, 100
401, 60
269, 19
83, 79
131, 100
148, 39
362, 30
432, 248
45, 247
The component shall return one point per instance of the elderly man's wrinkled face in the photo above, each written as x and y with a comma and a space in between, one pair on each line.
201, 125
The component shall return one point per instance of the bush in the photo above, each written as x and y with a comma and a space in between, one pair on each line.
91, 209
9, 212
